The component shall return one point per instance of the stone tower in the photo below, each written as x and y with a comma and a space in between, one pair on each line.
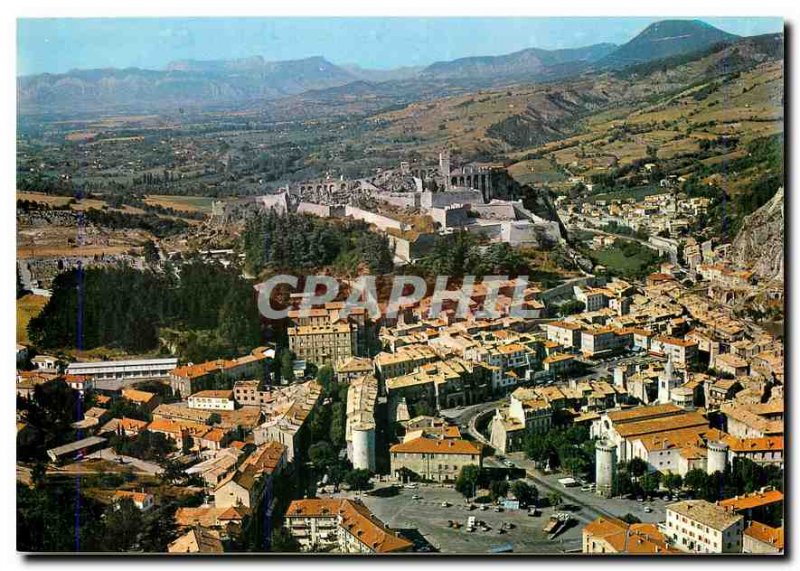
605, 467
717, 457
444, 167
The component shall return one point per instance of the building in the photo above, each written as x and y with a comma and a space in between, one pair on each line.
141, 500
133, 369
76, 449
348, 369
762, 539
245, 486
768, 450
191, 378
559, 364
342, 526
362, 399
565, 333
682, 352
148, 401
626, 428
527, 412
434, 459
698, 526
212, 400
197, 540
323, 344
288, 412
612, 535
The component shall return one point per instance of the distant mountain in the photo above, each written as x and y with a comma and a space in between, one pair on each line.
187, 82
529, 63
665, 39
378, 75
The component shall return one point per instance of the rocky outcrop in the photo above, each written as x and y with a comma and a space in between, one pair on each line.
759, 244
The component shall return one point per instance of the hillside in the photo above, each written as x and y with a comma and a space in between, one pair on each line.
182, 83
530, 63
759, 244
665, 39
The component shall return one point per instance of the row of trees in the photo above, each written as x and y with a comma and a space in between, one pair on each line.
124, 307
462, 253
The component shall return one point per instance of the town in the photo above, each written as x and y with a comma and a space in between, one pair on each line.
555, 353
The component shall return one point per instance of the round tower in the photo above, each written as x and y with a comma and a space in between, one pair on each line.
717, 457
605, 467
364, 447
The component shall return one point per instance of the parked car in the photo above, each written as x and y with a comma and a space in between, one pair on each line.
648, 509
416, 497
445, 504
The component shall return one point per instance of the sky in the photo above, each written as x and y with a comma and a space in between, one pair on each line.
58, 45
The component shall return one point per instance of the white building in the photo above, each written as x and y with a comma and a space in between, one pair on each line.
698, 526
212, 400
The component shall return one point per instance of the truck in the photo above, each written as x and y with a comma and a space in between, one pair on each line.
556, 522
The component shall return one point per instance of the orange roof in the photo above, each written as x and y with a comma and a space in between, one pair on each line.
754, 500
355, 518
137, 396
765, 534
164, 425
435, 446
675, 341
267, 457
137, 497
558, 357
741, 445
565, 325
641, 538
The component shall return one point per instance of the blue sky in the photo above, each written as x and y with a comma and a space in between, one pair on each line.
58, 45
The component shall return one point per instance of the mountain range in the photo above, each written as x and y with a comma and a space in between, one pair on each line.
201, 83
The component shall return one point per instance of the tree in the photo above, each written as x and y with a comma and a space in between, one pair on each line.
571, 307
498, 489
150, 252
123, 522
467, 480
287, 365
554, 499
338, 423
214, 418
637, 467
695, 479
283, 541
630, 518
358, 479
326, 379
322, 454
524, 492
672, 482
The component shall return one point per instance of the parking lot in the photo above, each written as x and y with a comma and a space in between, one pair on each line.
430, 518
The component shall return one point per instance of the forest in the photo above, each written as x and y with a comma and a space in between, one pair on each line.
125, 308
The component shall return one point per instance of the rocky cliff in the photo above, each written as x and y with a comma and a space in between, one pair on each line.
759, 244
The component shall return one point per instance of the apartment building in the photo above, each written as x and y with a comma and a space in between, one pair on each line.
434, 459
698, 526
212, 400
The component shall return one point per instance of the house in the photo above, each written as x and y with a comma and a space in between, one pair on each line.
698, 526
683, 352
76, 449
124, 426
762, 539
731, 364
141, 500
565, 333
191, 378
612, 535
212, 400
559, 364
148, 401
45, 363
434, 459
348, 369
342, 526
197, 540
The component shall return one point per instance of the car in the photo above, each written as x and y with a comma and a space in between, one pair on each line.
484, 507
445, 504
533, 512
586, 488
648, 509
639, 499
472, 507
410, 486
498, 508
416, 497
